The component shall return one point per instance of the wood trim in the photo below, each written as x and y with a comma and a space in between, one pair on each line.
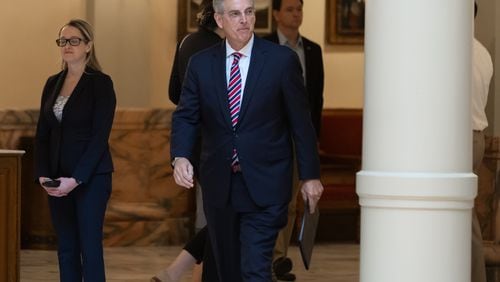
10, 178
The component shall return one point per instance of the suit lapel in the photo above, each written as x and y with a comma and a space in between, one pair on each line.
53, 96
254, 69
307, 55
80, 86
219, 71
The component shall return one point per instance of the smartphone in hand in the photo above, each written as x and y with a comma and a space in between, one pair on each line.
52, 183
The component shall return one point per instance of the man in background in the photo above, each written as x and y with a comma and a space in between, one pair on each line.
482, 72
288, 16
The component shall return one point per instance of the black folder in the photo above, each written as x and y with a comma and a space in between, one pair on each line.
307, 234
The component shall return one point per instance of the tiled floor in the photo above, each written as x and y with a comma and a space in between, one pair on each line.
330, 262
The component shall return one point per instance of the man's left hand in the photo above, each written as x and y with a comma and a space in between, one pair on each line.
311, 191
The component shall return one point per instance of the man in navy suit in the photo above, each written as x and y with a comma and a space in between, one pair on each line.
288, 15
247, 152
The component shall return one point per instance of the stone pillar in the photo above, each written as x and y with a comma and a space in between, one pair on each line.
416, 187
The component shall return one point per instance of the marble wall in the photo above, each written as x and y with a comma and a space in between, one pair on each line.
146, 207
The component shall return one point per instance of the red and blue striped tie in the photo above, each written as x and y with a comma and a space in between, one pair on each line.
234, 95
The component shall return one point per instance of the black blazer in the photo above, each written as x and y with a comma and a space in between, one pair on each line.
191, 44
78, 145
274, 119
314, 77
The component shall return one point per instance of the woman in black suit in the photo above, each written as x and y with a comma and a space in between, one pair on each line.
76, 115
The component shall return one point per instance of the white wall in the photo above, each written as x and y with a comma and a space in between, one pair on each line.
135, 43
28, 30
344, 64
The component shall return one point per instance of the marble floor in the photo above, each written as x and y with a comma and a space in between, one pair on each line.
330, 262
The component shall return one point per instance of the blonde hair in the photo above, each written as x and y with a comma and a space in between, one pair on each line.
88, 36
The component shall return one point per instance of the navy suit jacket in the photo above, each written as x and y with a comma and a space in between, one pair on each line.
78, 145
315, 77
274, 117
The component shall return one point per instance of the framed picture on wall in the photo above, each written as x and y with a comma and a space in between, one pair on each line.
345, 21
188, 10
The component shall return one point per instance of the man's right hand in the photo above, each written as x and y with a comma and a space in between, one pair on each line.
183, 173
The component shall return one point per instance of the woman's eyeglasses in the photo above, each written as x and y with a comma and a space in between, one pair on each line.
73, 41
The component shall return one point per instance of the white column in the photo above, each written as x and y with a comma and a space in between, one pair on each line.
416, 187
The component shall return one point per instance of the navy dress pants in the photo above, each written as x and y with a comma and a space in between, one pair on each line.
243, 235
78, 221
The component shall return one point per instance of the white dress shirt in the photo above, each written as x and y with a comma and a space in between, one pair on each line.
298, 48
482, 72
244, 63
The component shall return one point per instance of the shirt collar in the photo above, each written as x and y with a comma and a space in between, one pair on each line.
245, 51
284, 41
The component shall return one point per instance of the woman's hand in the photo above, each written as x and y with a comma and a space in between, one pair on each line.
67, 185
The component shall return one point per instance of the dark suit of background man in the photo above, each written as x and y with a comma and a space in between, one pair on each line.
245, 201
288, 16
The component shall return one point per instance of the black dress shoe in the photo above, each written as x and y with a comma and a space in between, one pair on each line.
286, 277
282, 265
